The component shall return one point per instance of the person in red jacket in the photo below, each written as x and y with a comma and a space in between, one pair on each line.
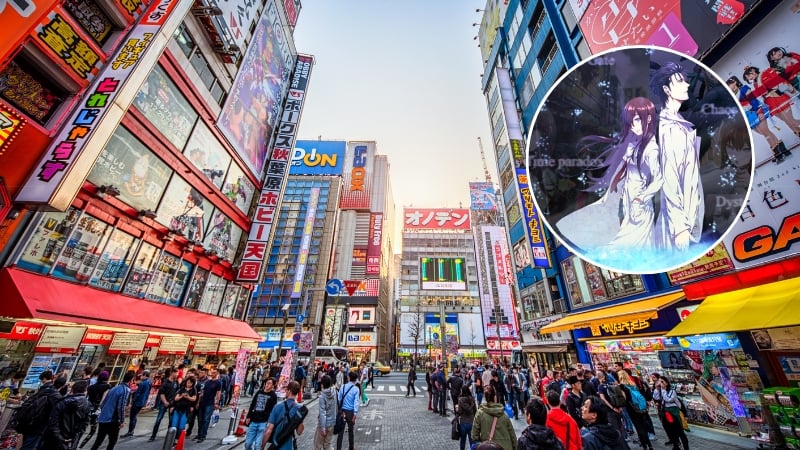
564, 426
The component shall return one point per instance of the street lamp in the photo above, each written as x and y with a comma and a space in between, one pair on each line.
284, 310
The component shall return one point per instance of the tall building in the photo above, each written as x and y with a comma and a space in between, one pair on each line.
132, 149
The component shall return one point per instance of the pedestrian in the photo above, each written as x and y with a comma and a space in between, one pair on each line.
300, 375
281, 416
138, 401
512, 390
364, 382
372, 375
112, 412
412, 378
166, 393
261, 407
598, 434
499, 387
341, 377
605, 391
478, 386
562, 424
454, 385
225, 382
538, 436
465, 409
95, 394
492, 424
575, 400
440, 384
429, 381
348, 398
209, 399
671, 410
68, 419
637, 408
33, 416
183, 403
328, 408
194, 412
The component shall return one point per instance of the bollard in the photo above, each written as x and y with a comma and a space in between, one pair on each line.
169, 438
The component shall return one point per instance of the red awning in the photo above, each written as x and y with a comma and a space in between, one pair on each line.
28, 295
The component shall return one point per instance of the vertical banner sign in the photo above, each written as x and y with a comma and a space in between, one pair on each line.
279, 160
374, 244
358, 170
533, 226
305, 243
70, 141
497, 269
238, 380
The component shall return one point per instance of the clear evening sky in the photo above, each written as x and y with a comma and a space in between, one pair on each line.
405, 74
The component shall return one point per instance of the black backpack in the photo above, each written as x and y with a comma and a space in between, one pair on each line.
284, 430
34, 413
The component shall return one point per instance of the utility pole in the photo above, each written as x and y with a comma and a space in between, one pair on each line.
442, 334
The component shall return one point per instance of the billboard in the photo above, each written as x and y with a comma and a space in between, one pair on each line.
374, 244
481, 196
493, 14
238, 15
766, 227
687, 26
435, 219
266, 210
292, 8
433, 327
56, 163
497, 279
470, 329
361, 315
358, 169
318, 158
305, 243
448, 274
254, 102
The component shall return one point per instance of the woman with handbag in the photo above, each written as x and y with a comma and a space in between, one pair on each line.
492, 424
465, 414
671, 411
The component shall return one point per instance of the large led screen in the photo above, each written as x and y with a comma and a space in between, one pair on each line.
444, 274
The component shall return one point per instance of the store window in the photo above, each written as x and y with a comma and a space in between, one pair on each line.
169, 279
142, 272
207, 154
223, 236
91, 18
47, 241
184, 210
190, 49
127, 164
620, 284
165, 107
196, 288
29, 90
80, 253
114, 262
212, 297
571, 280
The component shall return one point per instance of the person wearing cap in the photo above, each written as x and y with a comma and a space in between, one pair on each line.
575, 400
139, 401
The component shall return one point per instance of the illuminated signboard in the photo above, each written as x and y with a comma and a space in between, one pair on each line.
443, 274
436, 219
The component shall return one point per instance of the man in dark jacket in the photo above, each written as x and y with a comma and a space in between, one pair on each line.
537, 435
598, 434
454, 384
575, 400
260, 408
69, 419
49, 389
138, 401
412, 378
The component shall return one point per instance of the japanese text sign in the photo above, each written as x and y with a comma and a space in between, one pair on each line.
435, 219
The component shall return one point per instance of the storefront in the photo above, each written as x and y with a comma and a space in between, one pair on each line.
549, 351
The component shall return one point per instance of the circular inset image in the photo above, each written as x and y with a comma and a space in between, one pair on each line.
640, 159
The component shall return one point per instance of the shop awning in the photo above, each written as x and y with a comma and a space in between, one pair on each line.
639, 309
770, 305
28, 295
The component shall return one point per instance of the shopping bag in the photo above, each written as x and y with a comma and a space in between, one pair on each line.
684, 422
455, 432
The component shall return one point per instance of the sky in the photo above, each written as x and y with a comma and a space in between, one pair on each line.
407, 75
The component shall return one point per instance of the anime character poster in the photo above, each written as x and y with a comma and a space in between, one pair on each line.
651, 148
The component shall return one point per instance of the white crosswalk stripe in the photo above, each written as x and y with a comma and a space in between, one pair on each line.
392, 388
381, 388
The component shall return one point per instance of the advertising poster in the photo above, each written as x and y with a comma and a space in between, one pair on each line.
142, 271
68, 44
522, 256
114, 262
318, 157
687, 26
716, 260
765, 229
374, 244
481, 196
497, 263
206, 153
169, 279
361, 315
47, 240
253, 104
81, 250
449, 274
286, 374
39, 364
196, 288
160, 101
581, 161
129, 166
184, 210
357, 172
240, 371
238, 188
305, 242
56, 339
436, 219
470, 330
223, 236
212, 298
786, 338
494, 13
127, 344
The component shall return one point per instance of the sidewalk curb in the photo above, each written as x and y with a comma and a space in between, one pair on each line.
241, 442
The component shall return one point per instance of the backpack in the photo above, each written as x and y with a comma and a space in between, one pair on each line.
637, 400
284, 430
615, 395
34, 413
554, 386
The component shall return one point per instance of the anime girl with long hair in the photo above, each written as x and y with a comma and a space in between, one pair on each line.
632, 175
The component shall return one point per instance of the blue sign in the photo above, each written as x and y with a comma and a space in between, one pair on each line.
334, 286
300, 318
318, 158
533, 225
714, 341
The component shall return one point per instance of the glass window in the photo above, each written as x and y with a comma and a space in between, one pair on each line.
223, 236
92, 18
47, 241
184, 209
207, 154
196, 288
143, 266
26, 88
169, 279
165, 107
114, 262
184, 40
569, 17
238, 188
212, 298
79, 256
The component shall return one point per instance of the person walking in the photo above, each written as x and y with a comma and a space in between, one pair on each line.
562, 424
328, 408
671, 410
454, 385
598, 434
412, 378
636, 405
68, 419
364, 382
281, 416
466, 409
301, 376
431, 390
138, 402
478, 386
95, 394
209, 399
348, 398
537, 436
184, 401
166, 393
492, 424
372, 375
112, 413
261, 407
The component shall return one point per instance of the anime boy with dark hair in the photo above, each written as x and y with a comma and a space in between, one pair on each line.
680, 221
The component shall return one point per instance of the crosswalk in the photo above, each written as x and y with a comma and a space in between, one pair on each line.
394, 388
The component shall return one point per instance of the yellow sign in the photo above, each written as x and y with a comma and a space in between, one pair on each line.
612, 328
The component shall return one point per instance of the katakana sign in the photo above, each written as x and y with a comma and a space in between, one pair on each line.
435, 219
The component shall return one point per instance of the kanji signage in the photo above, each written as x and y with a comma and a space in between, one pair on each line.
621, 327
97, 337
127, 344
24, 331
66, 40
57, 339
277, 168
435, 219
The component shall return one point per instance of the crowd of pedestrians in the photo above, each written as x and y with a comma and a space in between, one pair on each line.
575, 409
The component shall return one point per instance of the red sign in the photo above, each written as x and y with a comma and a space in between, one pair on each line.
374, 244
351, 286
97, 337
436, 219
153, 340
24, 331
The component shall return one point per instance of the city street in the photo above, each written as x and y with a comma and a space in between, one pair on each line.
391, 421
